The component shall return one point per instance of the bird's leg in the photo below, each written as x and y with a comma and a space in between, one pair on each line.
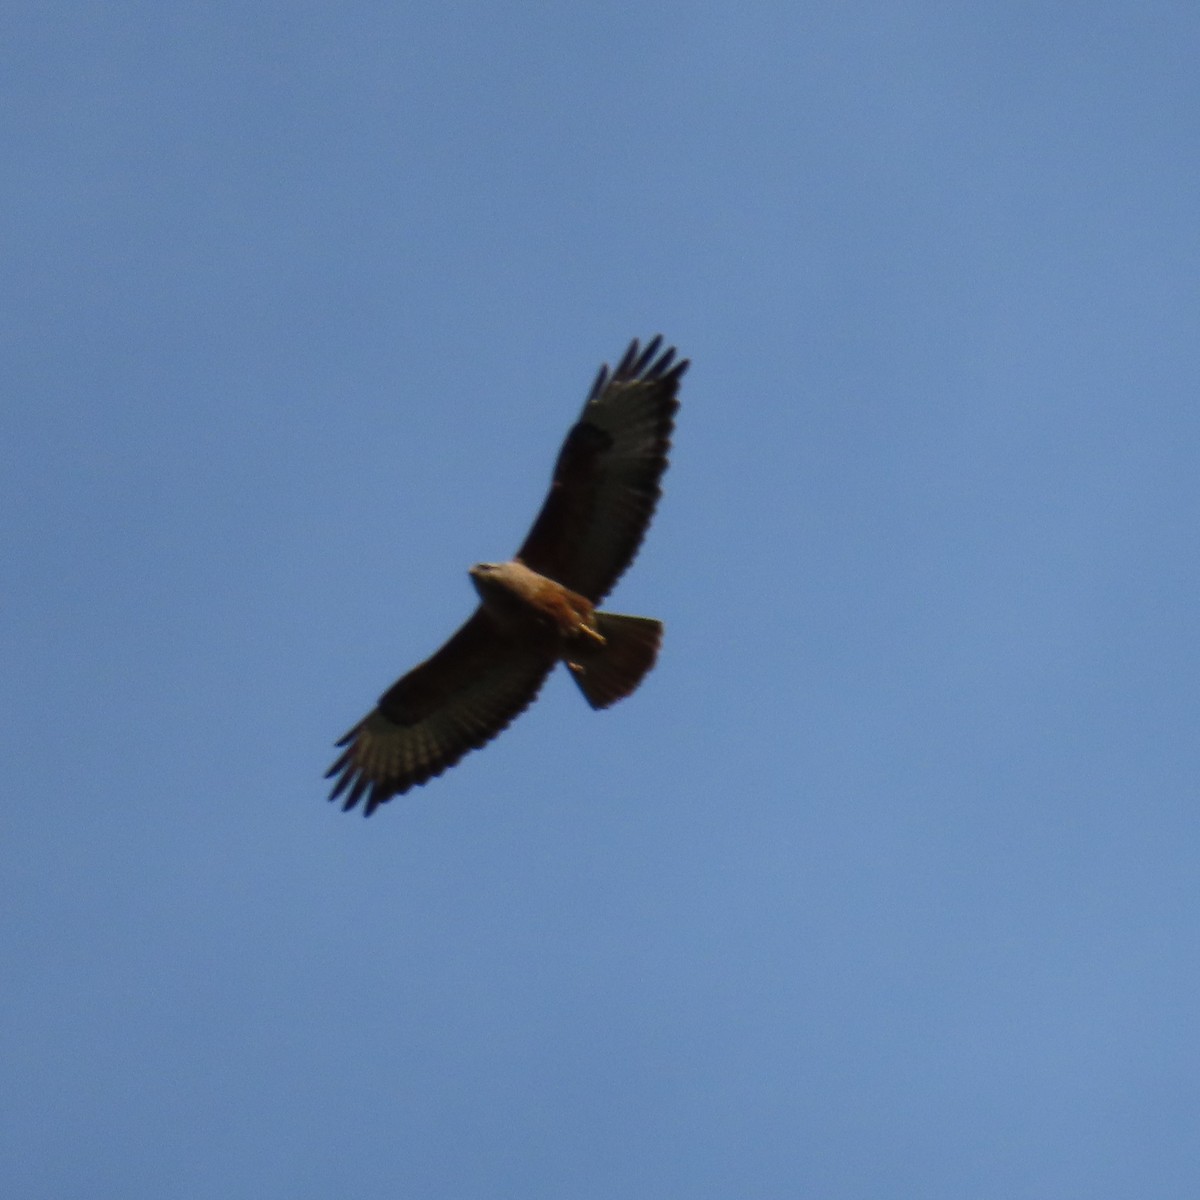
584, 630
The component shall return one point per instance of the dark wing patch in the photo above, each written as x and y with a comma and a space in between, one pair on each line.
456, 701
606, 480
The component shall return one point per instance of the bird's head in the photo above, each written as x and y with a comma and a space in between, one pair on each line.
503, 584
487, 578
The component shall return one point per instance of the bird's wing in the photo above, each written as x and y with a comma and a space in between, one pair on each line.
606, 480
454, 702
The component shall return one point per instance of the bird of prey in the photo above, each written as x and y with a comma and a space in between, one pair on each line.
543, 606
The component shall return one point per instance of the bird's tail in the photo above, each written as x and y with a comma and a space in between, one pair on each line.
607, 673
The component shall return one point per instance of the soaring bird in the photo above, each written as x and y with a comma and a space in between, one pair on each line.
541, 607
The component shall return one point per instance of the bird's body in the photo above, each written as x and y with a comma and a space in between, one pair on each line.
607, 653
519, 598
541, 607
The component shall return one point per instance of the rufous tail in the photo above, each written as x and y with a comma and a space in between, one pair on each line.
607, 673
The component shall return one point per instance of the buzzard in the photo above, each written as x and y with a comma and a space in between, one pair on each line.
542, 607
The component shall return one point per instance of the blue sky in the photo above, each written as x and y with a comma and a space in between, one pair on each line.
885, 883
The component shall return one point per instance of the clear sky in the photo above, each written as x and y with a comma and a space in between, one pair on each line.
886, 883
